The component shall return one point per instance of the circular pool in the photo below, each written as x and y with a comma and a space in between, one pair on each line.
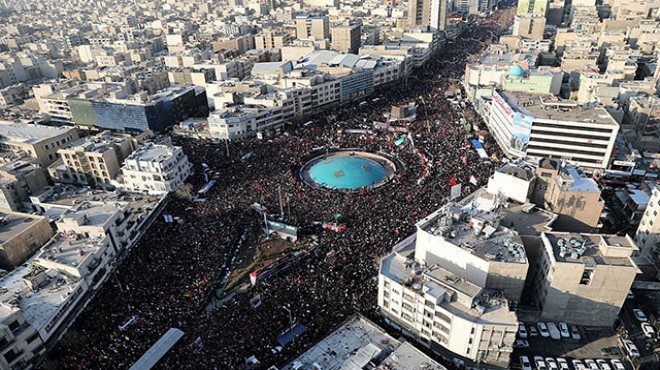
348, 170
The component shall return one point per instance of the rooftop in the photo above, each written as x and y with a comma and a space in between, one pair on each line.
473, 224
455, 294
36, 291
572, 178
591, 249
153, 153
19, 132
13, 224
69, 250
360, 344
547, 106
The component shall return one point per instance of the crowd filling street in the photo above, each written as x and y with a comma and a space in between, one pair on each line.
168, 275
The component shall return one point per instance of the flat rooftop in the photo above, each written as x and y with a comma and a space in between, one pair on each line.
153, 153
548, 106
436, 281
19, 132
38, 305
360, 344
456, 223
573, 179
70, 252
586, 249
15, 224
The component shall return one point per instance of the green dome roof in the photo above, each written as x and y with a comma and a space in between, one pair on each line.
516, 71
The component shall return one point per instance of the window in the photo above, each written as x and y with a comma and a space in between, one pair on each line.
14, 325
443, 317
33, 337
407, 307
587, 275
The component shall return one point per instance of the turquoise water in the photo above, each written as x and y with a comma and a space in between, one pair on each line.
346, 172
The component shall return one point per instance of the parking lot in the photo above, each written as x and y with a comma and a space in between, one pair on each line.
590, 346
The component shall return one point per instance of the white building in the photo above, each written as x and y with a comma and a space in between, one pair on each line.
155, 169
540, 125
449, 286
648, 232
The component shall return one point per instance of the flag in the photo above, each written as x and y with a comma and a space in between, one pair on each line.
336, 215
453, 182
473, 181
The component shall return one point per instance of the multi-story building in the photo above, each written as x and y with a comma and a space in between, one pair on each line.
270, 39
583, 279
308, 26
140, 112
347, 38
537, 126
41, 298
565, 190
21, 235
449, 287
155, 169
20, 178
36, 141
94, 160
647, 236
429, 13
529, 26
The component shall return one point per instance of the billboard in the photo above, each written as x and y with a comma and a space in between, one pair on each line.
521, 129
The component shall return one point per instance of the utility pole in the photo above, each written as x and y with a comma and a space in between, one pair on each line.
227, 146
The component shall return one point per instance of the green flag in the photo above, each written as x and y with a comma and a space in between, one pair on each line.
336, 215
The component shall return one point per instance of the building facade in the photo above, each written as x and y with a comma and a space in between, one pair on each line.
155, 169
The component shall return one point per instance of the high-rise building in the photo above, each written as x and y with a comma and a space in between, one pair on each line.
428, 13
531, 26
532, 7
308, 26
347, 38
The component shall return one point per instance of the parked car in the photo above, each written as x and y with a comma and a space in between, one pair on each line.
563, 364
603, 365
618, 365
543, 329
630, 295
521, 343
524, 362
631, 348
640, 315
522, 331
591, 364
647, 329
563, 329
578, 365
575, 333
533, 332
539, 363
552, 364
554, 331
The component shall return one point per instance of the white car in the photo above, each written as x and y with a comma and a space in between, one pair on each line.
522, 331
563, 364
647, 329
578, 365
631, 348
552, 364
539, 363
603, 365
639, 314
532, 331
524, 362
563, 328
618, 365
575, 333
591, 364
543, 329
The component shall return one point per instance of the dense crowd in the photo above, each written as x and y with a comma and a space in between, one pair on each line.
166, 278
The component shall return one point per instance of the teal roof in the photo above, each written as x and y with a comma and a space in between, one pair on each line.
516, 71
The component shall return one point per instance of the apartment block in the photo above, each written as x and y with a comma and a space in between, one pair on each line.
155, 169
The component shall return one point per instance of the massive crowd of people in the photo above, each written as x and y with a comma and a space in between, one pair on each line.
166, 278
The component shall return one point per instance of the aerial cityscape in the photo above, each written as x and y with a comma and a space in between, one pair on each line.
330, 184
